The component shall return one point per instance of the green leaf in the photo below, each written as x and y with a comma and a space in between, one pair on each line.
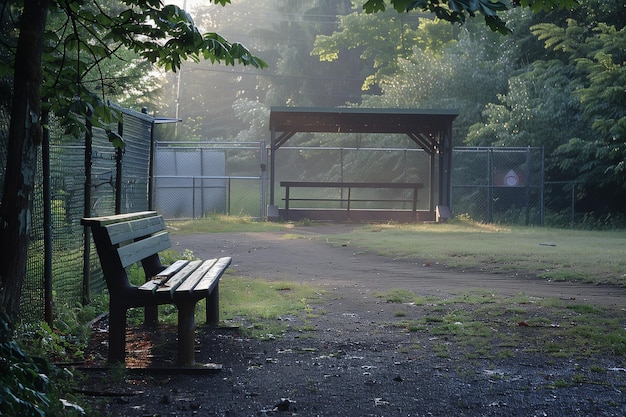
116, 139
373, 6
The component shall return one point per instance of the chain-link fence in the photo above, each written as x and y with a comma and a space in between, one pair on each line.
502, 185
82, 177
498, 185
113, 181
348, 164
196, 179
560, 198
88, 177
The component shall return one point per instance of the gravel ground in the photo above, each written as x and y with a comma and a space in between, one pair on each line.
353, 356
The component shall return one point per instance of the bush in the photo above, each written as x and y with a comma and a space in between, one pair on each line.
28, 385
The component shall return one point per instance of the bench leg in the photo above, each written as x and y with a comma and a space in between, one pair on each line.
151, 316
117, 334
186, 333
213, 306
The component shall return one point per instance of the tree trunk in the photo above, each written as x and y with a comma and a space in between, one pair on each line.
25, 134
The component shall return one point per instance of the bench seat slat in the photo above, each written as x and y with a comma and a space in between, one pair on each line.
136, 251
191, 281
164, 275
171, 270
121, 232
150, 286
172, 284
212, 277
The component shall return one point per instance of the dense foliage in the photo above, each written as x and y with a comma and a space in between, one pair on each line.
555, 81
28, 385
95, 52
54, 60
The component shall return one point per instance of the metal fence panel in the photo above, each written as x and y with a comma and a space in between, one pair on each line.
344, 164
197, 179
498, 185
137, 133
68, 190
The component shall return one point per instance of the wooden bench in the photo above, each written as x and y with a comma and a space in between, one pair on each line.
412, 186
125, 239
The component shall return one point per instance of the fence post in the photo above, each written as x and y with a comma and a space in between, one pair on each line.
228, 197
263, 177
87, 213
573, 203
527, 186
193, 198
342, 179
490, 185
118, 172
151, 179
541, 191
47, 220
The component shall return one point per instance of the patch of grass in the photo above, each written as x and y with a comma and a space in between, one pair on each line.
505, 354
597, 369
442, 350
584, 308
432, 319
264, 299
570, 255
221, 223
573, 255
551, 327
401, 296
561, 383
473, 297
268, 308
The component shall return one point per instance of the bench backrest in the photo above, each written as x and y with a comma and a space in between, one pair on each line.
140, 239
126, 239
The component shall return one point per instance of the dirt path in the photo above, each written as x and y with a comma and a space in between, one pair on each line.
302, 256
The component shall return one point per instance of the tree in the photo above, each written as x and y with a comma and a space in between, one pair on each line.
283, 32
54, 63
465, 73
539, 109
596, 160
457, 11
379, 39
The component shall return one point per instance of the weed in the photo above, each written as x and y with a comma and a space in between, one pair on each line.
597, 369
442, 351
561, 383
396, 296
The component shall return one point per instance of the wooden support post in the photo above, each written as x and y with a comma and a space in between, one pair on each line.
287, 203
186, 333
213, 307
117, 334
